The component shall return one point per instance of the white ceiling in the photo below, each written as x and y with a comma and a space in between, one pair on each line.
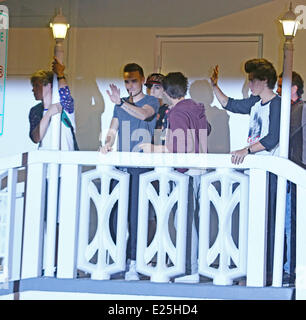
124, 13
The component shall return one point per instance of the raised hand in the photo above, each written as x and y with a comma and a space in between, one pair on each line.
58, 67
114, 94
214, 77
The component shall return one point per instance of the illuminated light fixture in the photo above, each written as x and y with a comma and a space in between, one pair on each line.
59, 26
290, 23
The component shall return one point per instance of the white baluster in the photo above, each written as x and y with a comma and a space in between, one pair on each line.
68, 220
9, 223
257, 237
163, 204
33, 224
102, 241
300, 244
224, 245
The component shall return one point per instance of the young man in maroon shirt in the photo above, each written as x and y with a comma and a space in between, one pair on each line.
186, 133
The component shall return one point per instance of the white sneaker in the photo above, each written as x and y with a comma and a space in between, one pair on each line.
132, 274
191, 278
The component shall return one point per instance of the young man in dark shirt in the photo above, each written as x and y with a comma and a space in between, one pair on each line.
297, 154
264, 108
186, 133
41, 114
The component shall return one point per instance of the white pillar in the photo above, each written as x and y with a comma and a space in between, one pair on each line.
283, 152
55, 127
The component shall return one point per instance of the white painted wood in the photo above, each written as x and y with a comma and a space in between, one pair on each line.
257, 225
300, 281
161, 244
17, 242
52, 210
279, 232
68, 221
10, 220
102, 243
33, 224
224, 245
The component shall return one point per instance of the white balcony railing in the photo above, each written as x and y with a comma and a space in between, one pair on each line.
85, 184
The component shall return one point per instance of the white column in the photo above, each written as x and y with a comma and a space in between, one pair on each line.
68, 221
11, 203
257, 236
55, 127
283, 152
300, 282
33, 223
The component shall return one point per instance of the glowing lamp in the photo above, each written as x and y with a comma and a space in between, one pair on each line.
290, 23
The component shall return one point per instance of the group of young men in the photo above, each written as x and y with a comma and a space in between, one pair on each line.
165, 121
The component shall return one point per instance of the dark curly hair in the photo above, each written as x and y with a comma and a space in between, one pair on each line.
175, 85
262, 69
296, 81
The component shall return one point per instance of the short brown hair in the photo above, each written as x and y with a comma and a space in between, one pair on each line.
42, 76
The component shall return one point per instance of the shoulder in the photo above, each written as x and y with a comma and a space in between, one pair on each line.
150, 100
276, 101
37, 109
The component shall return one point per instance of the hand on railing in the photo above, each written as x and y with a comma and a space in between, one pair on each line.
105, 149
239, 155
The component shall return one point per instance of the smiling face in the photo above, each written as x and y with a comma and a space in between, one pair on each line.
256, 86
133, 82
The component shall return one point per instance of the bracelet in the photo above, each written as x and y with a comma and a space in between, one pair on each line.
62, 77
249, 150
122, 102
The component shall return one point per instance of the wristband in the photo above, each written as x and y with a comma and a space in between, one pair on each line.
249, 150
62, 77
122, 102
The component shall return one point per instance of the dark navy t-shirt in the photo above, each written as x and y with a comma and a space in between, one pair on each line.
133, 131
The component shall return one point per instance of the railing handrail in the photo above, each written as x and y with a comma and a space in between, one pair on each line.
10, 162
277, 165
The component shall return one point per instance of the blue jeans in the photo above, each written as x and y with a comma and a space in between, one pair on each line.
290, 230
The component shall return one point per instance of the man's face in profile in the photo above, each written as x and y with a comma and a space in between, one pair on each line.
37, 90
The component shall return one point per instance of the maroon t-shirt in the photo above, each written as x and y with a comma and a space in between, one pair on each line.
187, 128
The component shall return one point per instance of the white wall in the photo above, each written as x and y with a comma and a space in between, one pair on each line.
95, 57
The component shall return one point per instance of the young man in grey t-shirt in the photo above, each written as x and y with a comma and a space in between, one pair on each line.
134, 121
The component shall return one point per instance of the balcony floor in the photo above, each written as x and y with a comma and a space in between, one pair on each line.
85, 288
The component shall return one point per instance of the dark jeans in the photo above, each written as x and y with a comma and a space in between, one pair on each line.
290, 228
271, 224
271, 228
133, 211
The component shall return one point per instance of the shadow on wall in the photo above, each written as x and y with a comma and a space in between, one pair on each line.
89, 105
219, 138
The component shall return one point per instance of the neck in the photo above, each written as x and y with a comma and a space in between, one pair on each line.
267, 95
138, 96
175, 101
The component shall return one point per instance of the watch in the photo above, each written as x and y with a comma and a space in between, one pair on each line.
62, 77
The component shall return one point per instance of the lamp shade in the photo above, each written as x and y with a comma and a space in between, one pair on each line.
59, 26
290, 23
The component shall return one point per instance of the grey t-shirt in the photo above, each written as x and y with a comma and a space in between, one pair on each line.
133, 131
